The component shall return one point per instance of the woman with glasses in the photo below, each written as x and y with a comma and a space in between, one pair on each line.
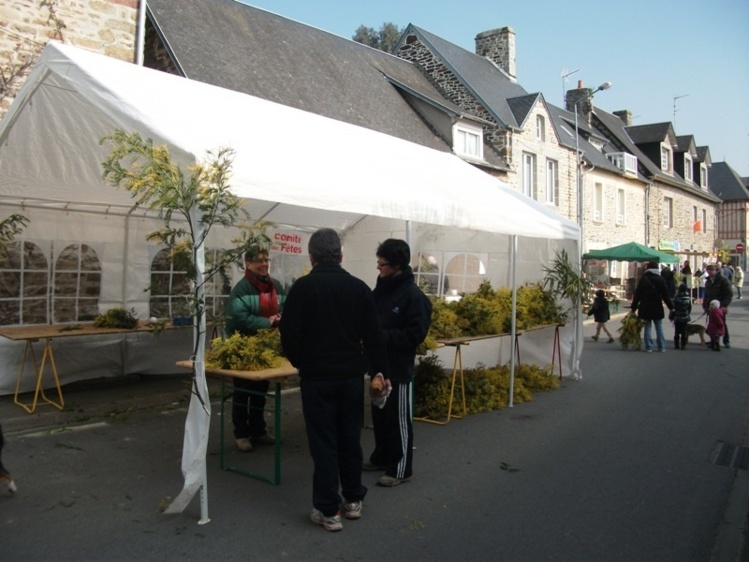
255, 303
405, 313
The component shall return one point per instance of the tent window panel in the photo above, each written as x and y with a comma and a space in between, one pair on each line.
9, 313
23, 272
34, 284
465, 272
66, 283
10, 284
34, 311
77, 284
159, 307
427, 272
170, 287
217, 288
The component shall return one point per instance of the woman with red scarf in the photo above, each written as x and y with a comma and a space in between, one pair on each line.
255, 303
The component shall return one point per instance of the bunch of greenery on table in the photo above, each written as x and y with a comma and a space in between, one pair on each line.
117, 317
246, 353
489, 311
486, 388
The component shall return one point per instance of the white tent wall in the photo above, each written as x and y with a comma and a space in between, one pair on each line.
360, 244
50, 157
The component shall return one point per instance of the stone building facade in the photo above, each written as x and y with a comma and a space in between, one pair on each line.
103, 26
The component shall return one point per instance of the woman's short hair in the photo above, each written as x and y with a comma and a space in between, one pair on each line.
395, 251
254, 251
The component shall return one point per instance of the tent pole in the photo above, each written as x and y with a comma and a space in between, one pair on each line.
513, 329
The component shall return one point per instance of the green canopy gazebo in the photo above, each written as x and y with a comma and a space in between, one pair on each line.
631, 251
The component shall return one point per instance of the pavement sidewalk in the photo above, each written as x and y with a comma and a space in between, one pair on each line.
615, 467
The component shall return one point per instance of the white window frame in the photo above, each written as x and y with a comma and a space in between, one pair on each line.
468, 141
598, 214
687, 167
621, 206
703, 176
666, 159
552, 182
704, 221
529, 174
668, 212
540, 128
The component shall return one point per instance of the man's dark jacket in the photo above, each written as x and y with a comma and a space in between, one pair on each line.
405, 313
329, 327
650, 294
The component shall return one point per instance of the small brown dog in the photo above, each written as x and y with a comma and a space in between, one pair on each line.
695, 329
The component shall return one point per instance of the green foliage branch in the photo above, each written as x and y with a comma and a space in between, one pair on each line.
486, 388
200, 198
10, 227
565, 281
489, 311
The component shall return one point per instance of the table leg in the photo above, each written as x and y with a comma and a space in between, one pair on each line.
30, 408
457, 368
276, 395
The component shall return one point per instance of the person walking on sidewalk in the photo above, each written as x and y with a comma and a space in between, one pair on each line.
682, 315
738, 280
405, 313
650, 294
601, 314
330, 332
718, 287
255, 303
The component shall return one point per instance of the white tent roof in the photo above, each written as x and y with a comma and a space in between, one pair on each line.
293, 166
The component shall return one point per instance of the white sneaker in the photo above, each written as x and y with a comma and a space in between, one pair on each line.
352, 510
329, 523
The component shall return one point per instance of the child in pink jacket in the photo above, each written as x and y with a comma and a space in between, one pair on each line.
716, 324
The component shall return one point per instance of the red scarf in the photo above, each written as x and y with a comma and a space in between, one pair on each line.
267, 293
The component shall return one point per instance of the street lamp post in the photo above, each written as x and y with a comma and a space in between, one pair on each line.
580, 216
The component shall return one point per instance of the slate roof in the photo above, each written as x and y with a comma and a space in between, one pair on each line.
656, 132
685, 143
726, 183
522, 106
703, 155
246, 49
620, 137
563, 122
479, 75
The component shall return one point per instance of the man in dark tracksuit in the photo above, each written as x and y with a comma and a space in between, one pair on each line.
405, 313
329, 331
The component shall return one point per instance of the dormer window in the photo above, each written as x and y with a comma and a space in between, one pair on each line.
703, 176
666, 159
540, 128
468, 141
687, 167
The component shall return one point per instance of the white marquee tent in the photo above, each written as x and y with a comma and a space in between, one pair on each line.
296, 169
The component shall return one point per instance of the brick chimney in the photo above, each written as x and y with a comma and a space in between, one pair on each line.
498, 45
625, 115
583, 97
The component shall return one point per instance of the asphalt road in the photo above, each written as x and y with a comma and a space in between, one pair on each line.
616, 467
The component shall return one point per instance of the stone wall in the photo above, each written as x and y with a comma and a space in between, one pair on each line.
26, 26
498, 45
449, 86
